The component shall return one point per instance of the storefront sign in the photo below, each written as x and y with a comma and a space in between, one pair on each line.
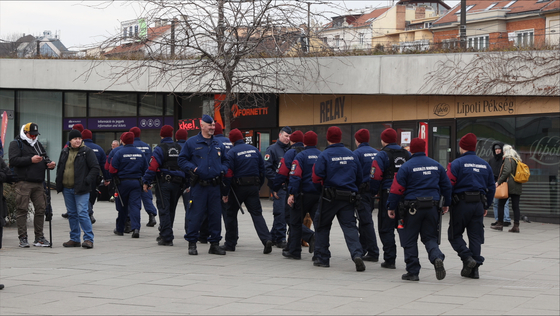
442, 109
69, 122
190, 124
546, 150
237, 112
485, 106
331, 110
111, 123
150, 122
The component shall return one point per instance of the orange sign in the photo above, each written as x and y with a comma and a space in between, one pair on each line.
236, 111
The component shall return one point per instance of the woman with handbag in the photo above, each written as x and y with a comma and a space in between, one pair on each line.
511, 157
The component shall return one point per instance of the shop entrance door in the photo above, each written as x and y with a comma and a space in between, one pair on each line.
441, 148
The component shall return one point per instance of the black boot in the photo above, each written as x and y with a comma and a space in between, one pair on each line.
468, 266
152, 221
136, 233
192, 249
215, 249
127, 227
65, 215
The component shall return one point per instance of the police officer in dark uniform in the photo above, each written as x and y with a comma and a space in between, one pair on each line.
128, 166
304, 196
202, 157
169, 179
340, 173
473, 190
245, 176
219, 135
147, 197
272, 158
101, 158
366, 154
282, 176
421, 182
384, 167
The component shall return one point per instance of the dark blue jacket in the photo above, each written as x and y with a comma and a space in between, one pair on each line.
338, 167
272, 157
244, 160
379, 166
284, 166
157, 161
469, 173
110, 158
128, 163
182, 142
100, 155
420, 176
225, 141
144, 148
366, 154
302, 171
204, 155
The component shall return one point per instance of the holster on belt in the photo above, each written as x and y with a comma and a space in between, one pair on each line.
247, 181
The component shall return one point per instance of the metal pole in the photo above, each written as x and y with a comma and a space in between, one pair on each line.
308, 26
463, 25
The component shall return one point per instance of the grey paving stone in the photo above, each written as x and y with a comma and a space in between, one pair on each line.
128, 276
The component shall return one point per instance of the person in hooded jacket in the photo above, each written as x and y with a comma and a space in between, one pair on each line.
29, 160
496, 163
511, 158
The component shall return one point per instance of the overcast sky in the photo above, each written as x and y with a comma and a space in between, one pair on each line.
83, 23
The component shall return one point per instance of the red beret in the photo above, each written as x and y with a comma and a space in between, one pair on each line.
136, 131
181, 134
86, 134
334, 134
417, 145
389, 136
79, 127
219, 130
310, 138
127, 138
297, 136
166, 131
468, 142
362, 136
235, 135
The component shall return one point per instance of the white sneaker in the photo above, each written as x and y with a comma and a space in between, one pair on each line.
42, 242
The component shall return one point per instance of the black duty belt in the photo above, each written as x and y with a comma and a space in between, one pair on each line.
210, 182
470, 197
172, 178
247, 181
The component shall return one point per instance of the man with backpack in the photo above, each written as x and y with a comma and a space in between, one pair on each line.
383, 169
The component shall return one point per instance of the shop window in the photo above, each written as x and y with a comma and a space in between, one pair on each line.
151, 104
169, 104
112, 104
536, 140
75, 104
45, 109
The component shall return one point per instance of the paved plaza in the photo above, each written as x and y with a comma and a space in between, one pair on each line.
126, 276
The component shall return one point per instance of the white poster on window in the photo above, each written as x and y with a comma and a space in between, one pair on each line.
511, 36
405, 137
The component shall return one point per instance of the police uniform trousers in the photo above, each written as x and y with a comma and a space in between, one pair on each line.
386, 227
467, 216
278, 231
205, 202
167, 194
344, 211
365, 225
204, 233
304, 203
130, 194
248, 194
424, 222
148, 201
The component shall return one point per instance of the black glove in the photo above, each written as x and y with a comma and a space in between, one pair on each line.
48, 217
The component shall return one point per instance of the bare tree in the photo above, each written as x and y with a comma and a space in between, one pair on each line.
529, 72
238, 48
